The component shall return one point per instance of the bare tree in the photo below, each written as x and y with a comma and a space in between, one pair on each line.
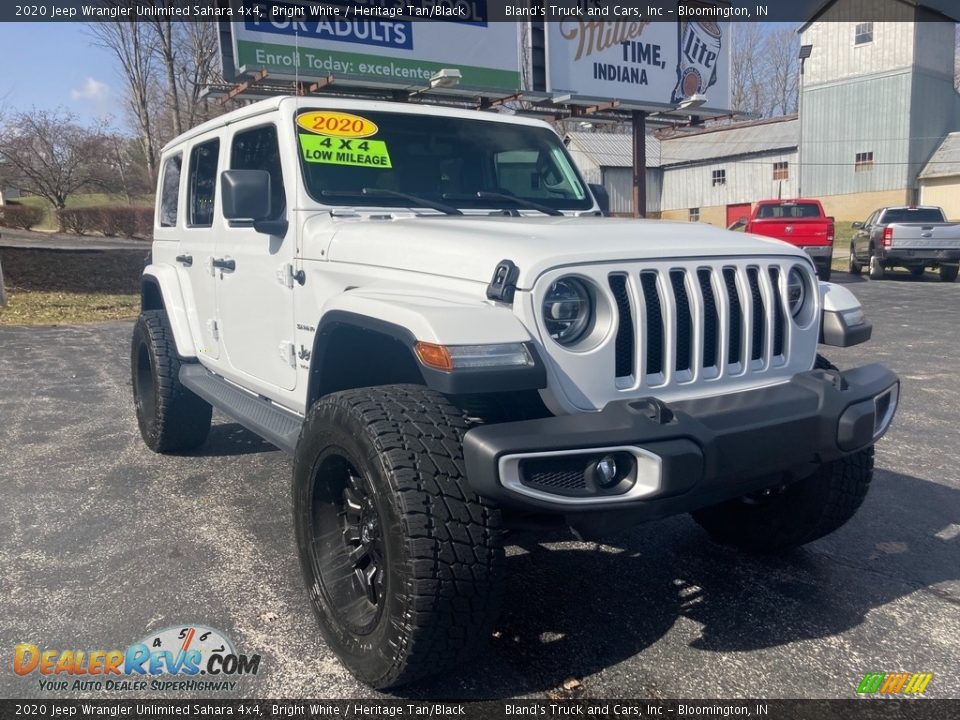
166, 50
131, 44
780, 49
747, 89
49, 154
198, 67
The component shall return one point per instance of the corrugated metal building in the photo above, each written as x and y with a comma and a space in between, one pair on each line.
940, 179
607, 159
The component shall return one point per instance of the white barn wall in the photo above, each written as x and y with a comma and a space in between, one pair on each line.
749, 179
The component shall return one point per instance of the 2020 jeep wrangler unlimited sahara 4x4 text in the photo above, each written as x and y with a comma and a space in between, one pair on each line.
426, 309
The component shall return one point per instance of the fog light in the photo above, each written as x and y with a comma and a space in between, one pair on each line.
606, 471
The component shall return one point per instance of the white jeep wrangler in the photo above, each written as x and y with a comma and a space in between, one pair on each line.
426, 308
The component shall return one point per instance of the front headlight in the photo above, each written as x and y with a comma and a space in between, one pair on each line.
796, 290
567, 310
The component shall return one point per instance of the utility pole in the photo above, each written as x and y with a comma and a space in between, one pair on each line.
3, 288
639, 118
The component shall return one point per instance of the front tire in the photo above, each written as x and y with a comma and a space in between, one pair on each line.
776, 521
948, 273
853, 267
170, 416
402, 561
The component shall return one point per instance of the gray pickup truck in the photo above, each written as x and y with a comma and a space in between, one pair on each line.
912, 237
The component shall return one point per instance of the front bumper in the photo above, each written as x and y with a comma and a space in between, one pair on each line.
689, 454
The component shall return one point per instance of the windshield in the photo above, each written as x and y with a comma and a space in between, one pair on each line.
913, 215
438, 158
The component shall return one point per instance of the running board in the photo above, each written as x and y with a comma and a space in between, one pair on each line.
256, 414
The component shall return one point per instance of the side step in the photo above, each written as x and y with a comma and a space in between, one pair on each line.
260, 416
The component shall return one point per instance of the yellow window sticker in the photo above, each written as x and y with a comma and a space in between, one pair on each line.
337, 124
345, 151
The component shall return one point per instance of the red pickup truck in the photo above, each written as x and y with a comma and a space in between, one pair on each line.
799, 222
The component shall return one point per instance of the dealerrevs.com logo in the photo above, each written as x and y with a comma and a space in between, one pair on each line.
190, 658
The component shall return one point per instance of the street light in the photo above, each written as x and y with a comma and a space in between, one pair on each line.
692, 101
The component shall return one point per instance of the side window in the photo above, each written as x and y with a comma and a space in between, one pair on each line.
170, 191
259, 149
203, 183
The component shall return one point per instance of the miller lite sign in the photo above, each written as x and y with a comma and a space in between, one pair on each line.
650, 63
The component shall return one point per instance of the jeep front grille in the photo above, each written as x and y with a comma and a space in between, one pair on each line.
678, 324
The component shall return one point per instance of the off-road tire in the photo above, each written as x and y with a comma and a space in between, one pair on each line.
798, 514
853, 267
948, 273
876, 267
443, 547
171, 417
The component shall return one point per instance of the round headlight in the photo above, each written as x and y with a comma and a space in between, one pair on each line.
796, 290
567, 310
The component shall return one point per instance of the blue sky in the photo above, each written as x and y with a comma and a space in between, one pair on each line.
51, 64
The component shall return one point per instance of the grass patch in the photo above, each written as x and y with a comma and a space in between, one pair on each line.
79, 201
54, 308
51, 287
842, 234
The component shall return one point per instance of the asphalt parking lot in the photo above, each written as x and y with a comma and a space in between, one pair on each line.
102, 541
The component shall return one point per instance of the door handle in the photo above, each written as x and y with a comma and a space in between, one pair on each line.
186, 260
224, 264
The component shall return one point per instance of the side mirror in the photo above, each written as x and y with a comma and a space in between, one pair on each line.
743, 220
857, 225
246, 197
603, 198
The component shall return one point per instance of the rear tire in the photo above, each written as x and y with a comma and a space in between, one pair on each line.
917, 271
876, 268
795, 515
171, 417
402, 561
853, 267
948, 273
824, 273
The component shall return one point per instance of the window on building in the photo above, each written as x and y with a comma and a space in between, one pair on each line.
203, 183
863, 33
694, 215
864, 162
259, 149
170, 191
719, 177
781, 171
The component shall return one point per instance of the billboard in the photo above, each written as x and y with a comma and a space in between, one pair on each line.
382, 48
651, 64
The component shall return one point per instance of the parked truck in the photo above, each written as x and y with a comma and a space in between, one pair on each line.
914, 237
799, 222
426, 309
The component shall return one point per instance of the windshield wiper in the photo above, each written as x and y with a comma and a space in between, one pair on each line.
383, 192
487, 195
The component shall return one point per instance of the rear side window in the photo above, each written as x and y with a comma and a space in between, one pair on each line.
259, 149
203, 183
170, 191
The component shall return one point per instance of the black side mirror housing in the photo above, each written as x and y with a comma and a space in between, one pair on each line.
857, 225
603, 198
246, 197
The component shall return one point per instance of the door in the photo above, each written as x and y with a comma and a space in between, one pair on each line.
861, 238
196, 248
255, 278
735, 212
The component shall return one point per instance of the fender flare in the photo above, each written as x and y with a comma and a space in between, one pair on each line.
167, 283
479, 380
838, 304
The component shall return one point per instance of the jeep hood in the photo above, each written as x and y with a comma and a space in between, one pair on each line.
469, 248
